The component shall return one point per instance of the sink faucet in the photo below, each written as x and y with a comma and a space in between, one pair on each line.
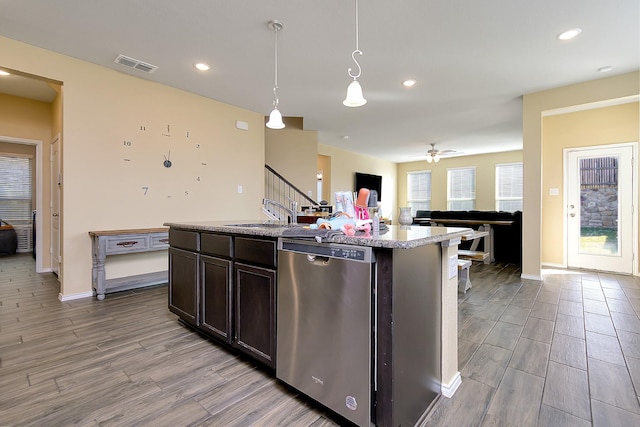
291, 212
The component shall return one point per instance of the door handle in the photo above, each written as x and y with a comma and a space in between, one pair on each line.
55, 214
572, 214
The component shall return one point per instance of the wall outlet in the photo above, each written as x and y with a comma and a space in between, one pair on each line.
453, 266
239, 189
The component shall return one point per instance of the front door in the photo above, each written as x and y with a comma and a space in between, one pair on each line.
600, 208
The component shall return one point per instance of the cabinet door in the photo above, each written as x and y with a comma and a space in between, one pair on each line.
255, 312
183, 285
215, 312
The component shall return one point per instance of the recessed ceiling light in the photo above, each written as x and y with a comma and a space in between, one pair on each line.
202, 66
408, 83
345, 136
4, 73
569, 34
605, 69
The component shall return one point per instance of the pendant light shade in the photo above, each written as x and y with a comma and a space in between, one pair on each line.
275, 118
354, 90
354, 95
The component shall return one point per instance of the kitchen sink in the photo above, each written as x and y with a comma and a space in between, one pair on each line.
263, 225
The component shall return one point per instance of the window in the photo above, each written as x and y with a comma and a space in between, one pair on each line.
461, 189
509, 187
15, 188
419, 191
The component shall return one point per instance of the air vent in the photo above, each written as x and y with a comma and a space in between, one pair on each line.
135, 64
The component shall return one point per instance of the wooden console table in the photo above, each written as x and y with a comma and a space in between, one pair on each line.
118, 242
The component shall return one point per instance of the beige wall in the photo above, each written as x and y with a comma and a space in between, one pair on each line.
534, 106
598, 126
485, 165
292, 153
344, 165
103, 108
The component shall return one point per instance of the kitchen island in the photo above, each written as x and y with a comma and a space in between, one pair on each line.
223, 279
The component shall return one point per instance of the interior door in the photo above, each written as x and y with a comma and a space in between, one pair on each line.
600, 208
55, 206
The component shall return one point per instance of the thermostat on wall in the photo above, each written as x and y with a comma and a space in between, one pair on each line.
242, 125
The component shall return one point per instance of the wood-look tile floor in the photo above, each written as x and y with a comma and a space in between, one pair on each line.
124, 361
562, 352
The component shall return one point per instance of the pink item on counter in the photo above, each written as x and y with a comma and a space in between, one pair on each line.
348, 229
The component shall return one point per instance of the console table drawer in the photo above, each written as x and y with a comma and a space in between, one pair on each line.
160, 240
126, 244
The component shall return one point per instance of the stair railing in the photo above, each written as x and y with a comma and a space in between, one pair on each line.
280, 190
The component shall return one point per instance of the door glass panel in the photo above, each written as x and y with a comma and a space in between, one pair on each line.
599, 205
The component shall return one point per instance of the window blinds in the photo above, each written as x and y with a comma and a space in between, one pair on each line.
15, 188
509, 187
419, 191
461, 189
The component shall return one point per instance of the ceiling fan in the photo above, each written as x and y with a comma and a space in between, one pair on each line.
434, 155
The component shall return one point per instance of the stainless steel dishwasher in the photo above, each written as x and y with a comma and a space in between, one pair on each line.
325, 324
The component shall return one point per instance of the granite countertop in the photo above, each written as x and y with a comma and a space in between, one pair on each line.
397, 236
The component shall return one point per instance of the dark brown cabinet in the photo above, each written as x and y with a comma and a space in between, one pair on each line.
255, 312
183, 285
216, 297
184, 294
225, 285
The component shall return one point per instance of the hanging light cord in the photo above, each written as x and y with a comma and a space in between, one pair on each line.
358, 51
276, 27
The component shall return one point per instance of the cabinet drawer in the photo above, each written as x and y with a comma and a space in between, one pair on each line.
216, 244
160, 240
257, 251
124, 244
189, 240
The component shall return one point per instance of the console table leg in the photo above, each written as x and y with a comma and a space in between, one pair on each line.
98, 274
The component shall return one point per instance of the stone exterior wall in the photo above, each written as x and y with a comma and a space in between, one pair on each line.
599, 207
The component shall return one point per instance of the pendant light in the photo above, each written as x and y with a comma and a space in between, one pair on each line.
275, 118
354, 90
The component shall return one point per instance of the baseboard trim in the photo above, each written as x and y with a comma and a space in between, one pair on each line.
531, 277
448, 390
81, 295
552, 265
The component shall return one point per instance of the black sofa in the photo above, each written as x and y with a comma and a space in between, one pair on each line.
8, 239
507, 239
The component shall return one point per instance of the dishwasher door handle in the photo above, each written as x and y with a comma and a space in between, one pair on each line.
317, 259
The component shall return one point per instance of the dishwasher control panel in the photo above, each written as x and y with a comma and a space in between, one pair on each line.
330, 250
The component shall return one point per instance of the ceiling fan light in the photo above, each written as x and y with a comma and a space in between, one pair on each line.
429, 158
354, 95
436, 158
275, 120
